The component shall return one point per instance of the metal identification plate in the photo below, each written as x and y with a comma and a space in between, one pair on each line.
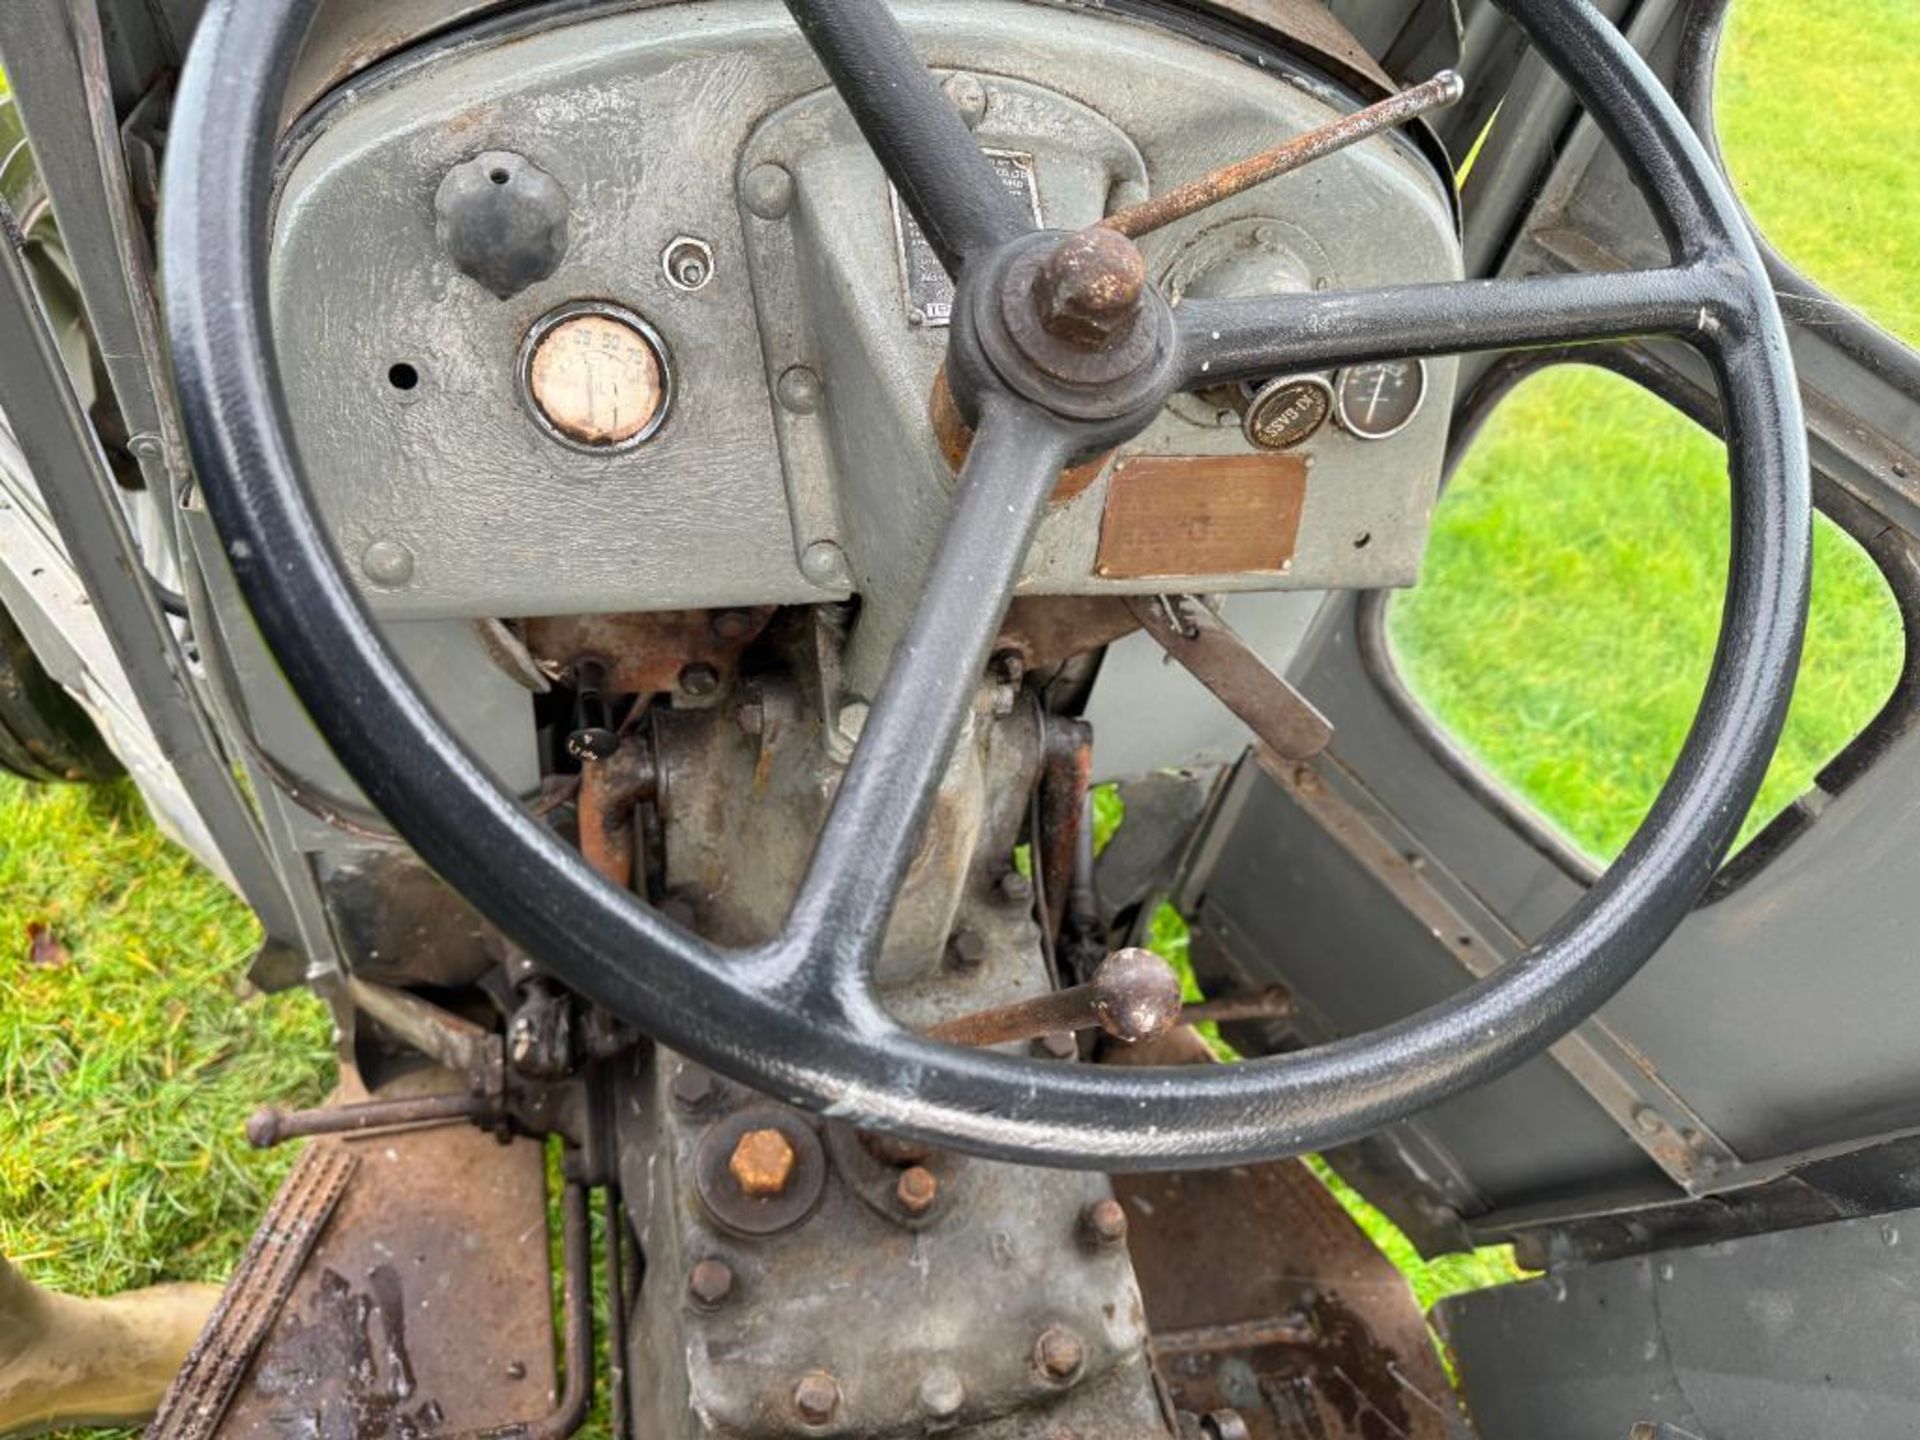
929, 288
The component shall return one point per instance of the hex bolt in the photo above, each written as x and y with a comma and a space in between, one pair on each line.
967, 950
692, 1089
917, 1190
1058, 1354
698, 680
816, 1397
942, 1393
1103, 1224
767, 191
762, 1162
709, 1282
1088, 290
1016, 889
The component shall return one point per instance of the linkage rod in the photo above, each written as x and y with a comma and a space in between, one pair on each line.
1230, 180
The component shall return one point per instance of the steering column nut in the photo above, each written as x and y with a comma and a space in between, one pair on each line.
1088, 289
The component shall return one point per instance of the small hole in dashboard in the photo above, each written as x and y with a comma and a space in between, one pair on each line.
1363, 539
498, 175
403, 376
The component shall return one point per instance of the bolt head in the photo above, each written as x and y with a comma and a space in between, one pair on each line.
763, 1162
387, 563
942, 1392
709, 1282
917, 1190
699, 680
1104, 1223
1058, 1354
967, 950
692, 1088
894, 1150
816, 1397
768, 191
1016, 889
1088, 290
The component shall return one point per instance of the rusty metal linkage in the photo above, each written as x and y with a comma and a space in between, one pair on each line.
1229, 180
1223, 662
611, 788
1133, 996
270, 1126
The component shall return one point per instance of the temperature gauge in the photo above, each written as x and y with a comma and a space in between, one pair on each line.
1378, 400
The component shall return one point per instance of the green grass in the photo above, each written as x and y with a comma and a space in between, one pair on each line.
1563, 629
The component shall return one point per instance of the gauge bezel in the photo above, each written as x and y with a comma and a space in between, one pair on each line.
607, 310
1280, 382
1340, 400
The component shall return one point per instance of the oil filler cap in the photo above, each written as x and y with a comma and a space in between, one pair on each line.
595, 377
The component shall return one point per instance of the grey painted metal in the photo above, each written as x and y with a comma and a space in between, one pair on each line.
62, 454
725, 505
56, 64
1772, 1337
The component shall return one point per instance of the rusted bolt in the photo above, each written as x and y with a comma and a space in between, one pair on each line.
1059, 1045
816, 1397
1103, 1224
1088, 290
1058, 1353
917, 1190
699, 679
692, 1089
709, 1282
1016, 889
942, 1392
762, 1162
967, 950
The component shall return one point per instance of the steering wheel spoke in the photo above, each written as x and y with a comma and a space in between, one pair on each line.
1247, 339
919, 139
840, 917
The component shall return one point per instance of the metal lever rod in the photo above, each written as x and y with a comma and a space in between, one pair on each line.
1219, 659
1230, 180
1133, 996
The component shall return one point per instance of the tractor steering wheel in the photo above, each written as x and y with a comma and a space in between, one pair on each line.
796, 1018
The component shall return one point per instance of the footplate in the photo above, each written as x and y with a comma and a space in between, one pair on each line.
399, 1287
1274, 1316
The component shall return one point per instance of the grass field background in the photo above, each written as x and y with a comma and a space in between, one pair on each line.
1563, 630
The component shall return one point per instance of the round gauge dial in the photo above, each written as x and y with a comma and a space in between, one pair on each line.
1380, 399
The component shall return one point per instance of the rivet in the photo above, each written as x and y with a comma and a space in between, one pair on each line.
1058, 1353
768, 191
388, 563
709, 1282
816, 1397
1647, 1120
798, 390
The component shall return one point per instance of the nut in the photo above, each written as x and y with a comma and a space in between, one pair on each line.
1088, 290
1104, 1223
1058, 1353
816, 1397
699, 680
710, 1282
917, 1190
895, 1149
762, 1162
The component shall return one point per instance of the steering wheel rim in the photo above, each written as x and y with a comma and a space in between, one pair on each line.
795, 1018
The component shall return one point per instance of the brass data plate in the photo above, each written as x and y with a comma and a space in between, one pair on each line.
1201, 515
